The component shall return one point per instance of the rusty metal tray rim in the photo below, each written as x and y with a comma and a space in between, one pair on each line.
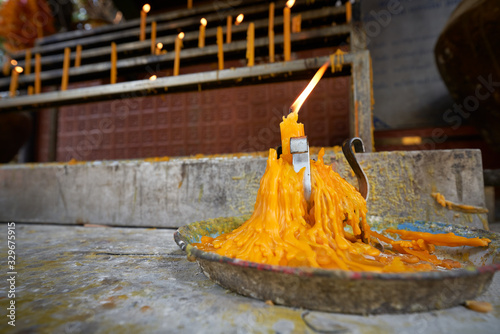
195, 254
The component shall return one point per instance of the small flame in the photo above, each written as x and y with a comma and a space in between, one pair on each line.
303, 96
203, 22
239, 19
13, 62
146, 8
152, 78
181, 35
159, 46
290, 3
18, 69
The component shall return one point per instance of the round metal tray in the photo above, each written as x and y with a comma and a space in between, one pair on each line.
349, 291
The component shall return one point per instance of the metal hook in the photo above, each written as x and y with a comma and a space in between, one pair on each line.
364, 185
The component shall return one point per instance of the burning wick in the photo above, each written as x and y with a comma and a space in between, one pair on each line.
239, 19
153, 77
181, 35
18, 69
303, 96
13, 62
159, 46
290, 3
146, 8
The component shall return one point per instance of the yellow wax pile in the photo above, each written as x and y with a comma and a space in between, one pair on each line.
286, 230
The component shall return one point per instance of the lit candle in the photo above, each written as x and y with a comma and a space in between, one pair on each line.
13, 80
271, 32
144, 13
190, 4
239, 19
220, 46
250, 44
348, 11
38, 72
159, 46
296, 23
78, 56
114, 58
153, 37
287, 46
65, 76
229, 26
177, 59
201, 37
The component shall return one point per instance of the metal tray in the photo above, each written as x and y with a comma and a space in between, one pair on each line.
349, 291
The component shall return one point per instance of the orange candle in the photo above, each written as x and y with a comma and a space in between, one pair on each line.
271, 32
348, 11
13, 80
38, 72
190, 4
27, 62
144, 13
287, 46
114, 58
65, 76
296, 23
153, 37
159, 46
78, 56
229, 28
220, 47
201, 36
177, 59
251, 44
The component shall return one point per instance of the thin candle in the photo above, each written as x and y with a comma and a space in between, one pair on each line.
220, 48
348, 11
190, 4
27, 62
13, 80
159, 46
78, 56
287, 46
144, 13
229, 26
38, 72
250, 44
201, 36
27, 71
65, 76
177, 59
114, 58
297, 23
271, 32
153, 37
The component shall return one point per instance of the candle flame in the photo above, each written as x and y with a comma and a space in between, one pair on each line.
239, 19
146, 8
13, 62
18, 69
181, 35
290, 3
303, 96
152, 78
203, 22
159, 46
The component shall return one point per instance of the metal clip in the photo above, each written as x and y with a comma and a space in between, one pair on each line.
299, 147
